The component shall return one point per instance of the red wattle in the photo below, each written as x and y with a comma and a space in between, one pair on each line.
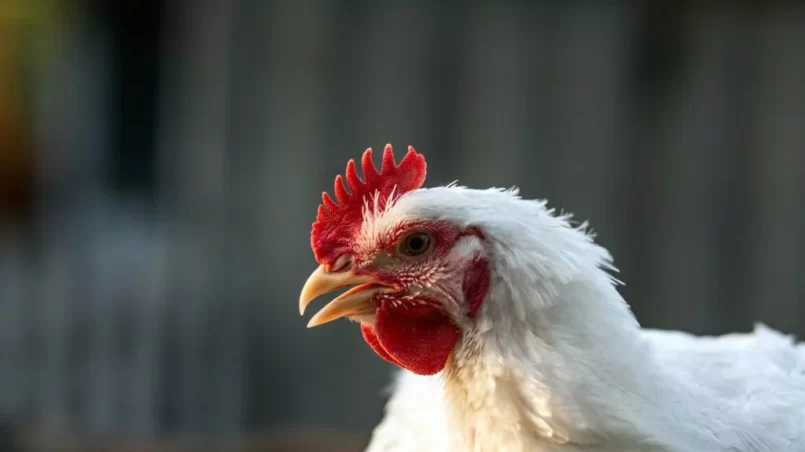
371, 338
418, 337
416, 334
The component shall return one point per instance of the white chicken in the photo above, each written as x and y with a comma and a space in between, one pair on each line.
512, 336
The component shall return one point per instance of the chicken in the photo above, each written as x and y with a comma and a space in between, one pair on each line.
511, 335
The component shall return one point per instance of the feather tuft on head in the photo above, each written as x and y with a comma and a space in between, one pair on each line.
338, 221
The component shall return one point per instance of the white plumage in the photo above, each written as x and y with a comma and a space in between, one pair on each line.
556, 361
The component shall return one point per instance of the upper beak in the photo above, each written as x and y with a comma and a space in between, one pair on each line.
356, 301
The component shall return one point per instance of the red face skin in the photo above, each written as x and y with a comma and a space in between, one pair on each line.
412, 327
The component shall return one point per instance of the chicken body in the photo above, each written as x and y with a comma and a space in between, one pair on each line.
556, 360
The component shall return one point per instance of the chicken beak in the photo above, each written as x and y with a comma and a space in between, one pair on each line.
356, 301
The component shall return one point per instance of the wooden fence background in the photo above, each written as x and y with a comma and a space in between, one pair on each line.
181, 150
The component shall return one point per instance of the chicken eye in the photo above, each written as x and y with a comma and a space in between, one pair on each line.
416, 244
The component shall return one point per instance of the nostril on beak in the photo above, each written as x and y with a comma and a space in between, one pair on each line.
343, 263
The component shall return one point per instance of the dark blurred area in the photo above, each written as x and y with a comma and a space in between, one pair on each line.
161, 163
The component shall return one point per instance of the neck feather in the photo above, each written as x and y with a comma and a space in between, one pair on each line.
553, 376
551, 354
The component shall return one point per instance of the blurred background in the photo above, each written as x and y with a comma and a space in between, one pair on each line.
161, 163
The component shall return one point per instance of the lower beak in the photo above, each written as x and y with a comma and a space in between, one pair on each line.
354, 302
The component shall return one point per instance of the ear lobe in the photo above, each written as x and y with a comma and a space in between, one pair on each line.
476, 284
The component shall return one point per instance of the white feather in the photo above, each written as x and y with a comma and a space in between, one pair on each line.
556, 361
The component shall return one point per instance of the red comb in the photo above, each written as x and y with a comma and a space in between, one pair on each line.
338, 223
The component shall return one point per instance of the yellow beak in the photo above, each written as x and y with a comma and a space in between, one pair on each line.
354, 302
